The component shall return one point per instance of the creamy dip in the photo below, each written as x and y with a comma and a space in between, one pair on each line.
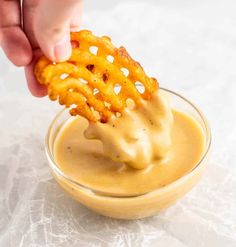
143, 150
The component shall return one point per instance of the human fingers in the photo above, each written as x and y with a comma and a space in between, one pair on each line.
35, 88
12, 39
52, 23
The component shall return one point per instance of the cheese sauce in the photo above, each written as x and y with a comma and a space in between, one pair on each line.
137, 153
139, 136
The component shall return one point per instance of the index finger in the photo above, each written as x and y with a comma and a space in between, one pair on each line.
12, 39
35, 88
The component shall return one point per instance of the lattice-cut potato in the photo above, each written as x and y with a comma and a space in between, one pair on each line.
86, 81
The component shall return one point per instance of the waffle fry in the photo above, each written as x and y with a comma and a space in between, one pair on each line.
86, 81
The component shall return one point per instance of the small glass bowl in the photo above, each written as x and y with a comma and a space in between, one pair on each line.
133, 207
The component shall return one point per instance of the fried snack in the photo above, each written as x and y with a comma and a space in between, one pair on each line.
86, 81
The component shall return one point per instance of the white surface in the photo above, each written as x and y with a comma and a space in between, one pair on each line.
190, 46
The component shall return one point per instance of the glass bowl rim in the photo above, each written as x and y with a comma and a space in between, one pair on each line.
55, 168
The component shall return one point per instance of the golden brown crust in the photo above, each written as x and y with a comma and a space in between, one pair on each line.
88, 78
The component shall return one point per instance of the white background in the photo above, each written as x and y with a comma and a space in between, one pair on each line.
190, 46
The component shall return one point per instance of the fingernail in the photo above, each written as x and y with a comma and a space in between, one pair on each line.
62, 49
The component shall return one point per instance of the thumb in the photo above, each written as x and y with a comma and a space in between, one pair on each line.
52, 27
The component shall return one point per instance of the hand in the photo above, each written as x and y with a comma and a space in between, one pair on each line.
39, 26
